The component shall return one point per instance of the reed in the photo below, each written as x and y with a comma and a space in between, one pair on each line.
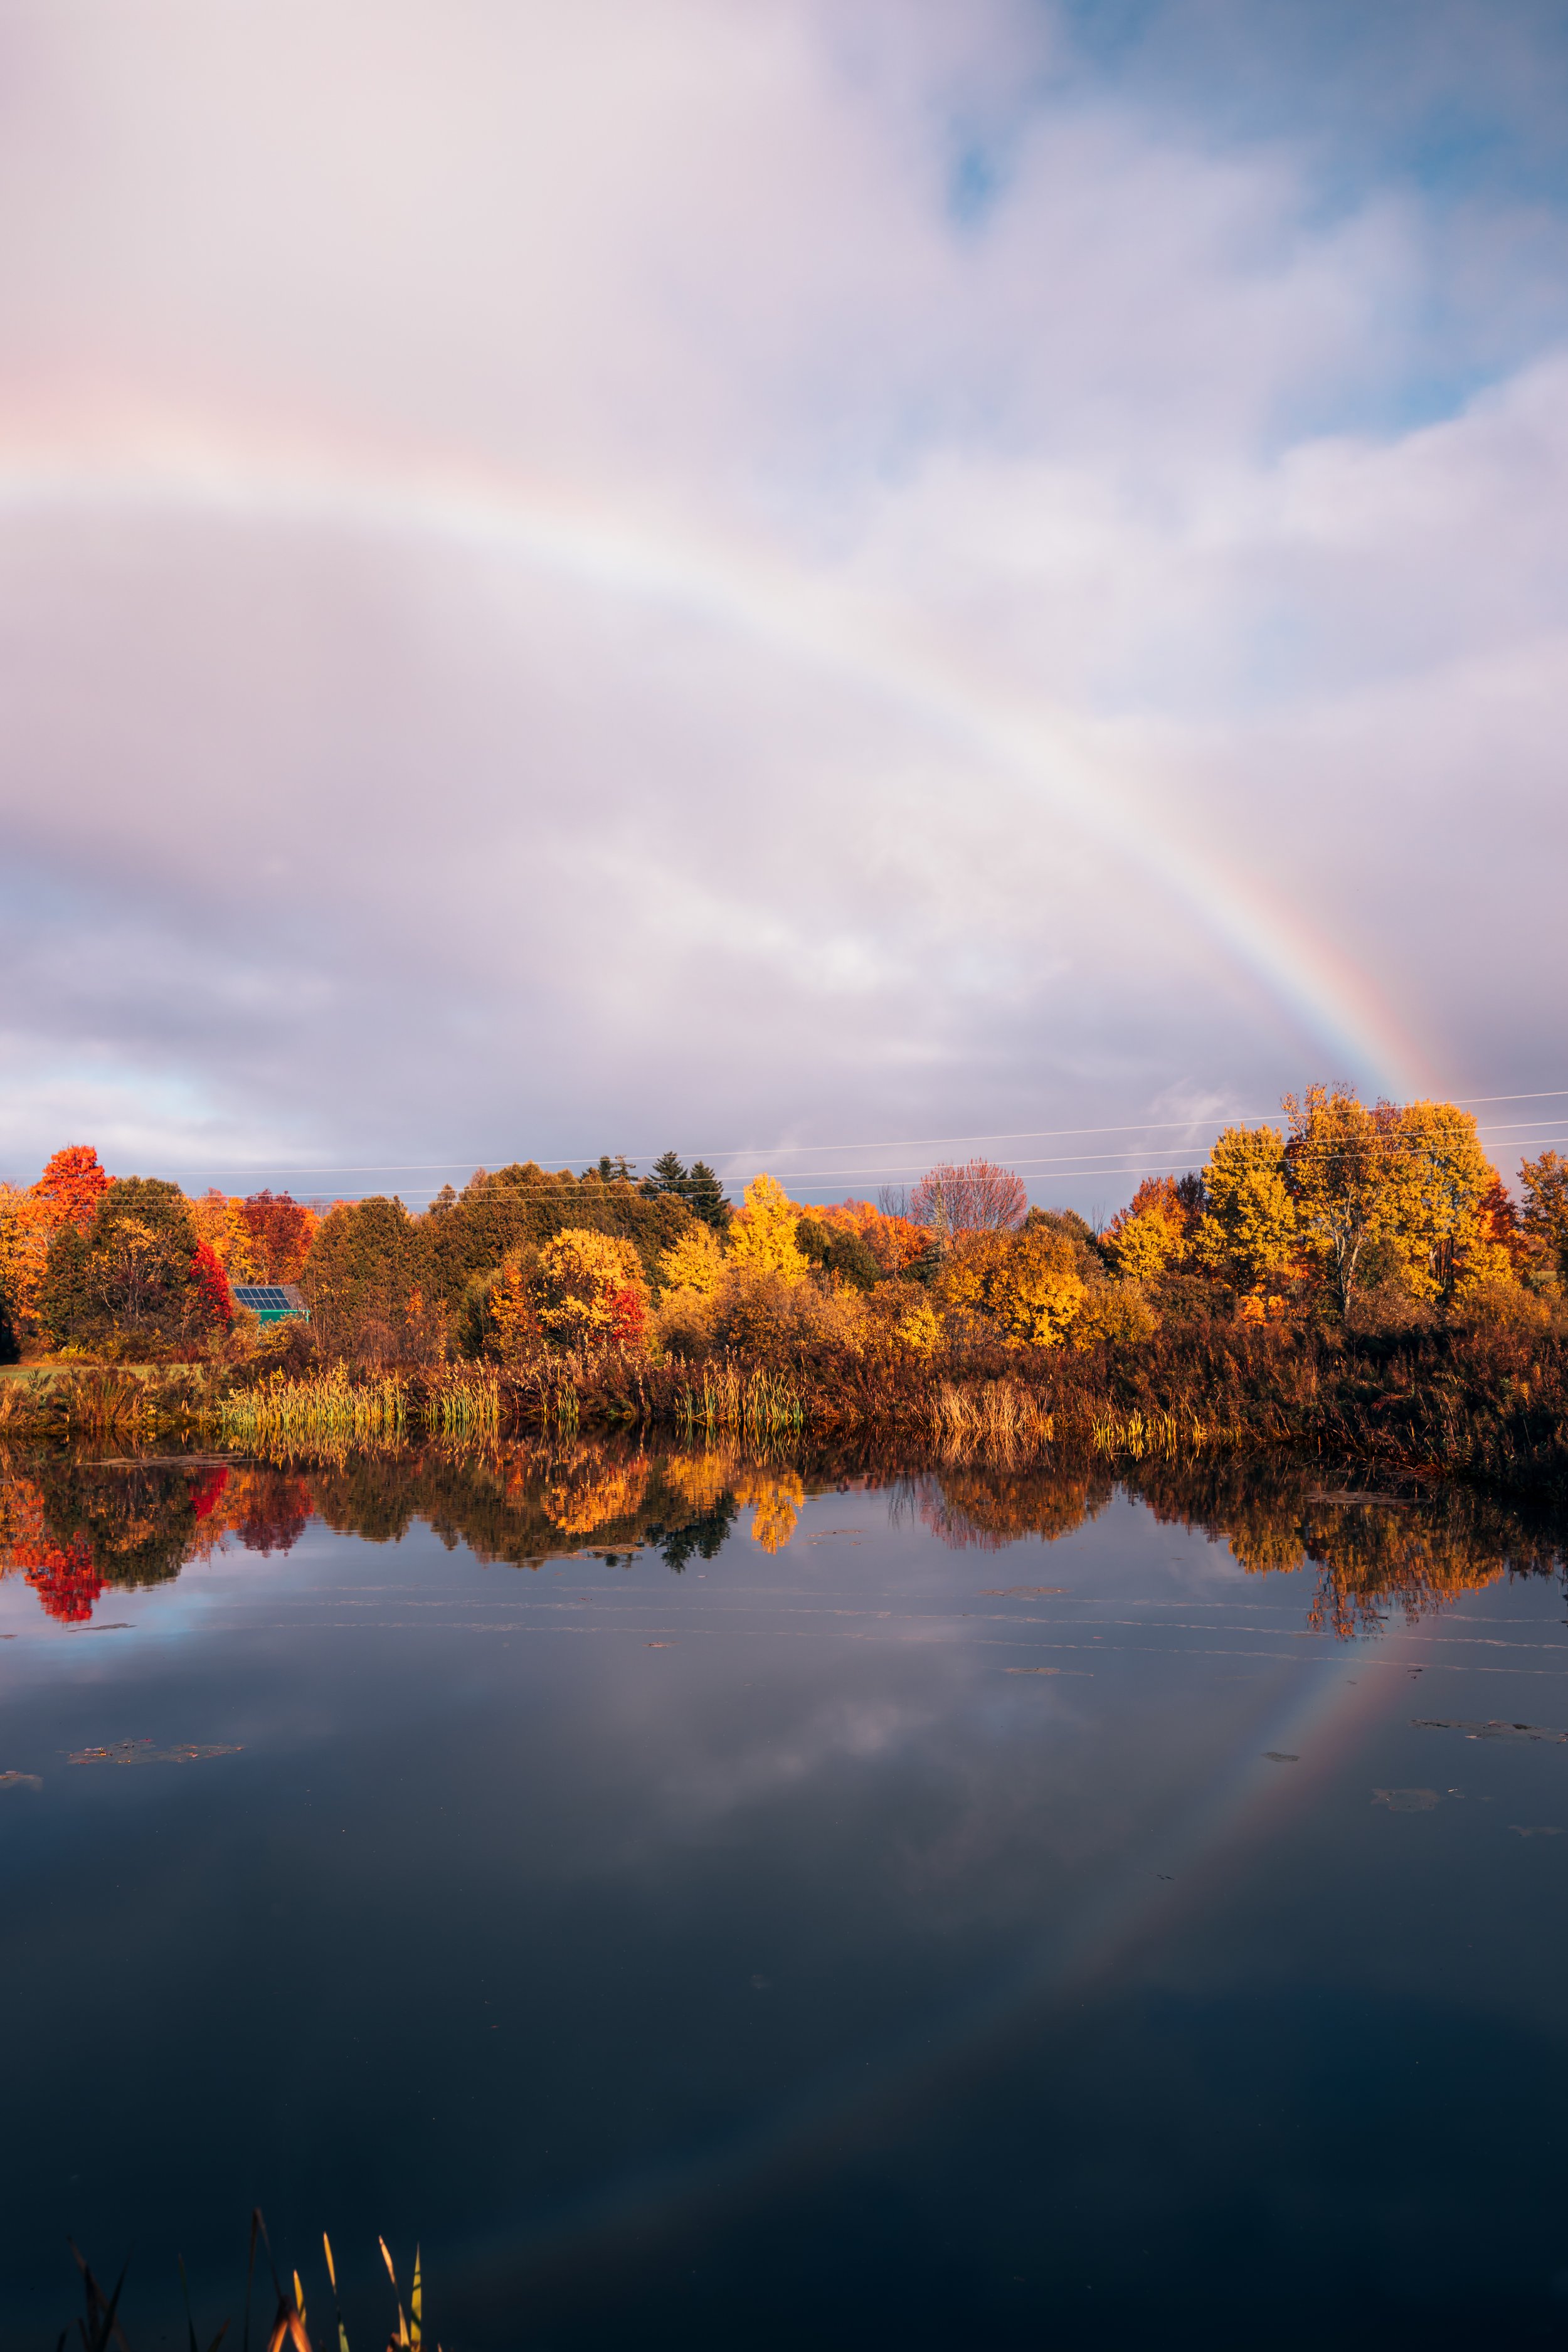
461, 1401
740, 1401
1003, 1419
100, 2329
332, 1408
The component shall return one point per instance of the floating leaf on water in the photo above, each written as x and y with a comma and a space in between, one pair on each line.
20, 1781
1405, 1801
142, 1751
1518, 1832
1493, 1731
1277, 1755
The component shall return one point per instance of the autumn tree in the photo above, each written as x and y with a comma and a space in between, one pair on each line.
588, 1290
1150, 1237
693, 1262
1339, 1162
1247, 1230
219, 1226
72, 1184
1441, 1180
212, 1299
978, 1198
280, 1230
1545, 1182
761, 1234
1026, 1284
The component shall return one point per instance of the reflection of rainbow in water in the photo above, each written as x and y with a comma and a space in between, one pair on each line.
810, 619
1316, 1724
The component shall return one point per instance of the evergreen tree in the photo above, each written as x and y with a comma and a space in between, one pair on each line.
704, 1196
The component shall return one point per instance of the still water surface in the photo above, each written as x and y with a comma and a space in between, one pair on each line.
710, 1905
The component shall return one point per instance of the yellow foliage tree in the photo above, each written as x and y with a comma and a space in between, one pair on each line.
1339, 1161
1027, 1285
588, 1288
1440, 1178
218, 1223
1149, 1237
511, 1326
694, 1262
1248, 1232
762, 1232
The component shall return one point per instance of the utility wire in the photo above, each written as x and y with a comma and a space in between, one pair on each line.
753, 1150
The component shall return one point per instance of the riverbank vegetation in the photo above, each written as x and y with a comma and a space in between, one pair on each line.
1356, 1279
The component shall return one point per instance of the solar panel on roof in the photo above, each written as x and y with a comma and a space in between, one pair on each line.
259, 1294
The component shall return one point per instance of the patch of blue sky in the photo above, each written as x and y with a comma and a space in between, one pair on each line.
1460, 101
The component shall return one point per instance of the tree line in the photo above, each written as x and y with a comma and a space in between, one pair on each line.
1344, 1210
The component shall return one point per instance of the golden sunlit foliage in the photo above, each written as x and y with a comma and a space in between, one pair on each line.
1026, 1284
1248, 1232
581, 1290
1381, 1217
694, 1263
1149, 1237
762, 1232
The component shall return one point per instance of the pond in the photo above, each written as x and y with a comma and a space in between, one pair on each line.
718, 1903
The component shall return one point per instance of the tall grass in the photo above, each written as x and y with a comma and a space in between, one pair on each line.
1001, 1418
330, 1407
462, 1400
739, 1400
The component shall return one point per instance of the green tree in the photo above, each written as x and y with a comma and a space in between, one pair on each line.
369, 1280
668, 1175
130, 1275
705, 1197
838, 1252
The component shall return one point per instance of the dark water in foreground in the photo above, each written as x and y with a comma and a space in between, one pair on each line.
973, 1910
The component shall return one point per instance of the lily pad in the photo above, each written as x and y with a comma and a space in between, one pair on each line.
142, 1751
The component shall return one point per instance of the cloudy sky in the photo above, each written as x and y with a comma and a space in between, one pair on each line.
590, 575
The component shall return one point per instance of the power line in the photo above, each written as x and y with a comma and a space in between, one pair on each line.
754, 1151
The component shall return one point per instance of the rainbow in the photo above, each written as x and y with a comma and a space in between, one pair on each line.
809, 619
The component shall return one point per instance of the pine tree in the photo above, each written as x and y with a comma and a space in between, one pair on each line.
704, 1196
667, 1175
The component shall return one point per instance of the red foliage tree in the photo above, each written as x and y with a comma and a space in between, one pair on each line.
70, 1185
628, 1317
280, 1229
210, 1284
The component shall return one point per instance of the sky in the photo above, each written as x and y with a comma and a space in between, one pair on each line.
818, 586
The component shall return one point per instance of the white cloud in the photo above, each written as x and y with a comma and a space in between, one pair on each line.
527, 537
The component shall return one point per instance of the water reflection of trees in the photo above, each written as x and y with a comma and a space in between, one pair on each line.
75, 1527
